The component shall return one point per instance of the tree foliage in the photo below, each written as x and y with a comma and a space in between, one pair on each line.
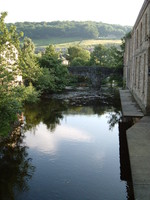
107, 56
65, 29
98, 56
78, 56
50, 58
11, 95
30, 68
54, 75
9, 62
114, 57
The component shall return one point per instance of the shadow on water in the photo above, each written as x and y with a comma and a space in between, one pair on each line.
16, 167
125, 170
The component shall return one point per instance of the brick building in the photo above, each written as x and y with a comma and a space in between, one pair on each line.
137, 59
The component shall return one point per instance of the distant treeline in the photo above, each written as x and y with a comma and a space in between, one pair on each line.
64, 29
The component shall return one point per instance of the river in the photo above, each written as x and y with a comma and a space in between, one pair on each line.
65, 152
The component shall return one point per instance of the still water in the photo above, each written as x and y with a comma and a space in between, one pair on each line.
64, 153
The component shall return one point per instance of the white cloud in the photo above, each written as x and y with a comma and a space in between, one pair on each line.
48, 142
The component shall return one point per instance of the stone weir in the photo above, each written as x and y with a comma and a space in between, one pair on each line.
95, 74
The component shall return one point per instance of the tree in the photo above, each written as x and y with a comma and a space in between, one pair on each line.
73, 29
78, 61
46, 81
30, 67
78, 55
9, 53
10, 100
107, 56
54, 75
98, 56
12, 95
114, 57
50, 58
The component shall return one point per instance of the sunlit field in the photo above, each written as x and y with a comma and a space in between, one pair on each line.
67, 42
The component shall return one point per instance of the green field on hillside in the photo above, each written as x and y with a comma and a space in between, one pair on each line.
89, 43
67, 42
54, 41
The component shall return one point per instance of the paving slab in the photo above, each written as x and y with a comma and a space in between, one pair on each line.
129, 106
142, 192
138, 139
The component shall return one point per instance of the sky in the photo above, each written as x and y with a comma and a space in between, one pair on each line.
122, 12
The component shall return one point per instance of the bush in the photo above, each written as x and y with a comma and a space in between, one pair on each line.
31, 95
8, 114
46, 81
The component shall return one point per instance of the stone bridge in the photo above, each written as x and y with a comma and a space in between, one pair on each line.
94, 74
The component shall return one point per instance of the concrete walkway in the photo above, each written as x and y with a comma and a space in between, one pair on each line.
138, 139
129, 106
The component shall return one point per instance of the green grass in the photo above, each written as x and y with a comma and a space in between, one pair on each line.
89, 43
54, 41
67, 42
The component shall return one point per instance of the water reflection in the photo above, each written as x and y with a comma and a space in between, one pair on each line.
48, 141
79, 161
15, 166
74, 153
50, 112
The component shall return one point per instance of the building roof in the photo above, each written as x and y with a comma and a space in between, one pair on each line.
143, 8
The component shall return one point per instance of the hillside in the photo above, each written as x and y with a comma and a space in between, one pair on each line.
71, 29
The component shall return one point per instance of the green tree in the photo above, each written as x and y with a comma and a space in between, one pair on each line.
10, 101
30, 67
78, 55
114, 57
56, 77
77, 62
73, 29
98, 56
50, 58
12, 95
46, 81
107, 56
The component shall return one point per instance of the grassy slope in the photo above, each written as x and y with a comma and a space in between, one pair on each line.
67, 42
46, 42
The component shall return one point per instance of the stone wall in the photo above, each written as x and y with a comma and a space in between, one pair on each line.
95, 74
137, 59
